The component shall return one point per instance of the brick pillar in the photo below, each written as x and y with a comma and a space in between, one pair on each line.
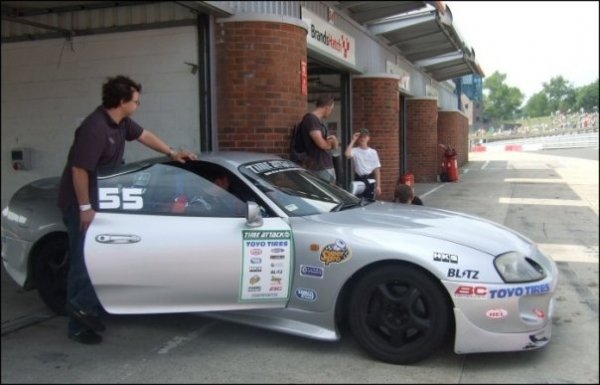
258, 84
376, 106
453, 130
422, 139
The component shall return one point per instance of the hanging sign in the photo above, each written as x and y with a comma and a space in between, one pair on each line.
324, 37
404, 82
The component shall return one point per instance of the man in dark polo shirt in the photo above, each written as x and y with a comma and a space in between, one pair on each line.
99, 143
317, 142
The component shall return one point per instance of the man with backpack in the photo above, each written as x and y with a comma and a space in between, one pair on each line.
311, 136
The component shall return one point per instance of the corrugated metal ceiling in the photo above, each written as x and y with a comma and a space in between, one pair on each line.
422, 31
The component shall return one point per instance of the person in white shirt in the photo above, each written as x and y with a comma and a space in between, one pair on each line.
365, 162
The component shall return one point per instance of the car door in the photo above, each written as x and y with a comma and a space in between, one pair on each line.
154, 248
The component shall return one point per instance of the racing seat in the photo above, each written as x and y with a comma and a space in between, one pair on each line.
179, 204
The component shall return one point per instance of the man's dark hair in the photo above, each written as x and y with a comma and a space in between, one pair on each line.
324, 101
403, 193
118, 88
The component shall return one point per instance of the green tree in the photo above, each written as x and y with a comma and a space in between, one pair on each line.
537, 105
502, 102
587, 96
560, 93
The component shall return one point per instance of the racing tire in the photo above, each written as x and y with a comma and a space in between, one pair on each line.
398, 314
51, 271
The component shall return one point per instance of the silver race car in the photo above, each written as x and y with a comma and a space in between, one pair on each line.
278, 248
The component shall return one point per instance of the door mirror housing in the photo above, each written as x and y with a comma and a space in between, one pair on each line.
253, 215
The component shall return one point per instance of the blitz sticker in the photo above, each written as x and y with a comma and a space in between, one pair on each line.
465, 273
337, 252
311, 271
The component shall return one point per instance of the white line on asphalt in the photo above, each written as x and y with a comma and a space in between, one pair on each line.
178, 340
432, 190
485, 164
570, 252
546, 202
533, 180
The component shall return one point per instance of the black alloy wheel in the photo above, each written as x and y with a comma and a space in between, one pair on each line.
51, 270
398, 314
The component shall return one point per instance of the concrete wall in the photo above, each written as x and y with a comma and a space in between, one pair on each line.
50, 86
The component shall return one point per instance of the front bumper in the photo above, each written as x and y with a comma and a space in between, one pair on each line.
471, 338
14, 257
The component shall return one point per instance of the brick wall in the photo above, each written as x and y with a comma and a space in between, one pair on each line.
453, 130
376, 106
422, 139
258, 76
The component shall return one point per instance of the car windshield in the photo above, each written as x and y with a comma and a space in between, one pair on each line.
295, 190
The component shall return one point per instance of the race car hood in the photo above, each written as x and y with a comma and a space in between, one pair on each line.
466, 230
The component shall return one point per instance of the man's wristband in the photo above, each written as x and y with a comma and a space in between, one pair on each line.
171, 152
85, 207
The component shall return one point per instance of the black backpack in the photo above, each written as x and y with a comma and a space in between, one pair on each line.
297, 145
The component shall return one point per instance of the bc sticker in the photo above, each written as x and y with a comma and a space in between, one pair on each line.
335, 253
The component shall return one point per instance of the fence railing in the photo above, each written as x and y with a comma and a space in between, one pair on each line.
543, 142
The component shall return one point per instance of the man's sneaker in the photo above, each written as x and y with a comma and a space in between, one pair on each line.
89, 320
87, 337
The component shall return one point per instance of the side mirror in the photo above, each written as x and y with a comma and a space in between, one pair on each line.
253, 215
357, 187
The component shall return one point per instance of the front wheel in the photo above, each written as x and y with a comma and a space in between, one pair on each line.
51, 270
398, 314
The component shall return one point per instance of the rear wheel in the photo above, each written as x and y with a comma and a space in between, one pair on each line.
51, 270
398, 314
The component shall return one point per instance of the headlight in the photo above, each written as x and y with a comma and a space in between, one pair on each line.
515, 267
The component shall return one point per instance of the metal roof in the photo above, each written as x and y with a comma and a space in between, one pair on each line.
422, 31
17, 9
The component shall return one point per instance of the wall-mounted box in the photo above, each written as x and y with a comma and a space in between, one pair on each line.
20, 159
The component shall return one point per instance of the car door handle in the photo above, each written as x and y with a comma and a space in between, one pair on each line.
117, 238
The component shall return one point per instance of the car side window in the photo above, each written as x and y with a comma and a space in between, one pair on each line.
165, 189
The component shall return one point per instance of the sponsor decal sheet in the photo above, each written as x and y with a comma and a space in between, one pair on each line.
266, 265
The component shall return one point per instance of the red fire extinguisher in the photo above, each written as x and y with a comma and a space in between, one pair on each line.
408, 178
449, 165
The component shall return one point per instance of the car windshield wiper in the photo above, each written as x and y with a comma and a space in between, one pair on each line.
345, 205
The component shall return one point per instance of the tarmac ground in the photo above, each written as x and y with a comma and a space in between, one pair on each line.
550, 197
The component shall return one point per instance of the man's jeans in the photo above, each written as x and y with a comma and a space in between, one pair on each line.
80, 291
369, 192
327, 174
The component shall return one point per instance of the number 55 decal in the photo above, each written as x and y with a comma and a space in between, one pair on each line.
130, 200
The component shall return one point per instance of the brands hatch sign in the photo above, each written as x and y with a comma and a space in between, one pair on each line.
324, 37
